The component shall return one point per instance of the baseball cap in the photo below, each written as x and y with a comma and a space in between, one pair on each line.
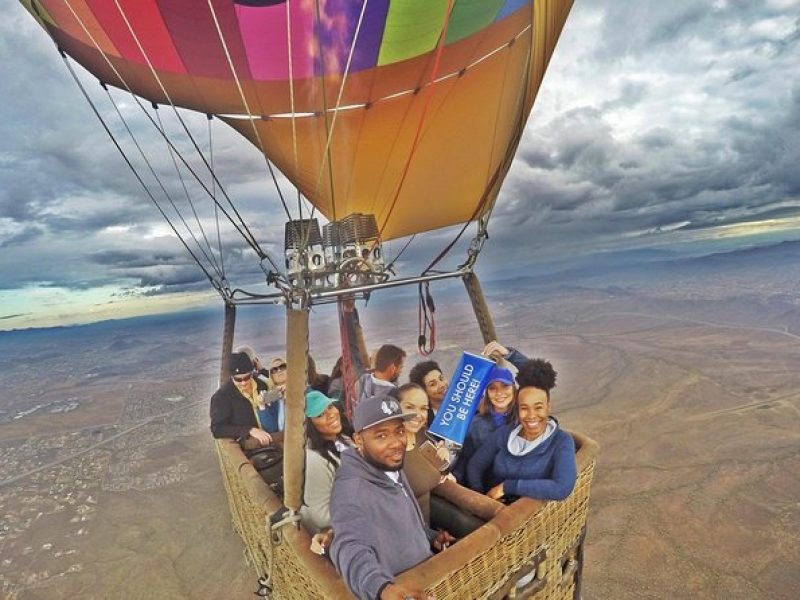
377, 409
316, 403
500, 374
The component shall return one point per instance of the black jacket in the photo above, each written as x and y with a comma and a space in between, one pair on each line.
232, 414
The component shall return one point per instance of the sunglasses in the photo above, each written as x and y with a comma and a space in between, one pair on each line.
278, 368
242, 378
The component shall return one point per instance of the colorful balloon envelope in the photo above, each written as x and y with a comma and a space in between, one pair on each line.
410, 110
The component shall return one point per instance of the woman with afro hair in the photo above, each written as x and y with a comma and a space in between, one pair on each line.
533, 457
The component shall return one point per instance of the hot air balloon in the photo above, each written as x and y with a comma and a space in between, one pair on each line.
391, 118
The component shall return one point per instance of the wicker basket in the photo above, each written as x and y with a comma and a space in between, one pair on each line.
529, 535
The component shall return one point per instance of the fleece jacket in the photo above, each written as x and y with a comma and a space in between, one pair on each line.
548, 472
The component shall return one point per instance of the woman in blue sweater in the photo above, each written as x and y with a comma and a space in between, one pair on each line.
534, 458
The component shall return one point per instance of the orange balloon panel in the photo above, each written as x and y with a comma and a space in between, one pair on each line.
469, 126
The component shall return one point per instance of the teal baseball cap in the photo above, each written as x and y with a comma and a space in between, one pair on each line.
316, 403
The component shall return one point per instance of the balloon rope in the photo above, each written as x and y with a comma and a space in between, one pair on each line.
326, 155
240, 227
154, 73
213, 195
329, 132
329, 138
210, 254
399, 254
426, 344
489, 197
418, 133
136, 174
291, 98
492, 178
160, 183
247, 108
440, 79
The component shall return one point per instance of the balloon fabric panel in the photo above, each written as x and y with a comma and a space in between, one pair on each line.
511, 6
338, 25
470, 16
265, 37
65, 20
412, 28
195, 35
145, 20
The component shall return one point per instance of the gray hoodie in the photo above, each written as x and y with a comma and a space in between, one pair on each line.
378, 526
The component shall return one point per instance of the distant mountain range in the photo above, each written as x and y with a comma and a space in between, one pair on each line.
645, 263
775, 255
648, 263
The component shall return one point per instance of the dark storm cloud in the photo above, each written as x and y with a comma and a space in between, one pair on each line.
132, 259
686, 121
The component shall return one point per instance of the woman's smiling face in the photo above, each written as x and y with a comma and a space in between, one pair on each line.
415, 402
501, 395
533, 409
329, 423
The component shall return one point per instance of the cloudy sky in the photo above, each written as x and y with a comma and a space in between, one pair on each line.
659, 124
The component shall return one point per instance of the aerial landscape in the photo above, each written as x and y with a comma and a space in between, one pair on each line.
645, 239
110, 483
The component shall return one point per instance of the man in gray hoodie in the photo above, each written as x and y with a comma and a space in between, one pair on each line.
378, 527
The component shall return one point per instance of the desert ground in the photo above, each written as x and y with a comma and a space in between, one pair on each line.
110, 488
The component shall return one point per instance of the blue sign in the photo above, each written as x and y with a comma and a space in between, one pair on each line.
461, 401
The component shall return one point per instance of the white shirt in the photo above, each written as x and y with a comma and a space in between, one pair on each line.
393, 475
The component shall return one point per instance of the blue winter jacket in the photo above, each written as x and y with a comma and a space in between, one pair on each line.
548, 472
480, 431
269, 417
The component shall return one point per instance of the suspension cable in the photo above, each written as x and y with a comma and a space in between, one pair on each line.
246, 105
214, 198
158, 179
74, 75
426, 342
488, 198
418, 133
155, 75
210, 254
326, 155
290, 59
399, 254
241, 227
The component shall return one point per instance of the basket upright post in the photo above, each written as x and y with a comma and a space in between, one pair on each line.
227, 341
480, 307
294, 434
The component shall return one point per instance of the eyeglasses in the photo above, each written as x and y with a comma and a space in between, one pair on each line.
242, 378
278, 368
